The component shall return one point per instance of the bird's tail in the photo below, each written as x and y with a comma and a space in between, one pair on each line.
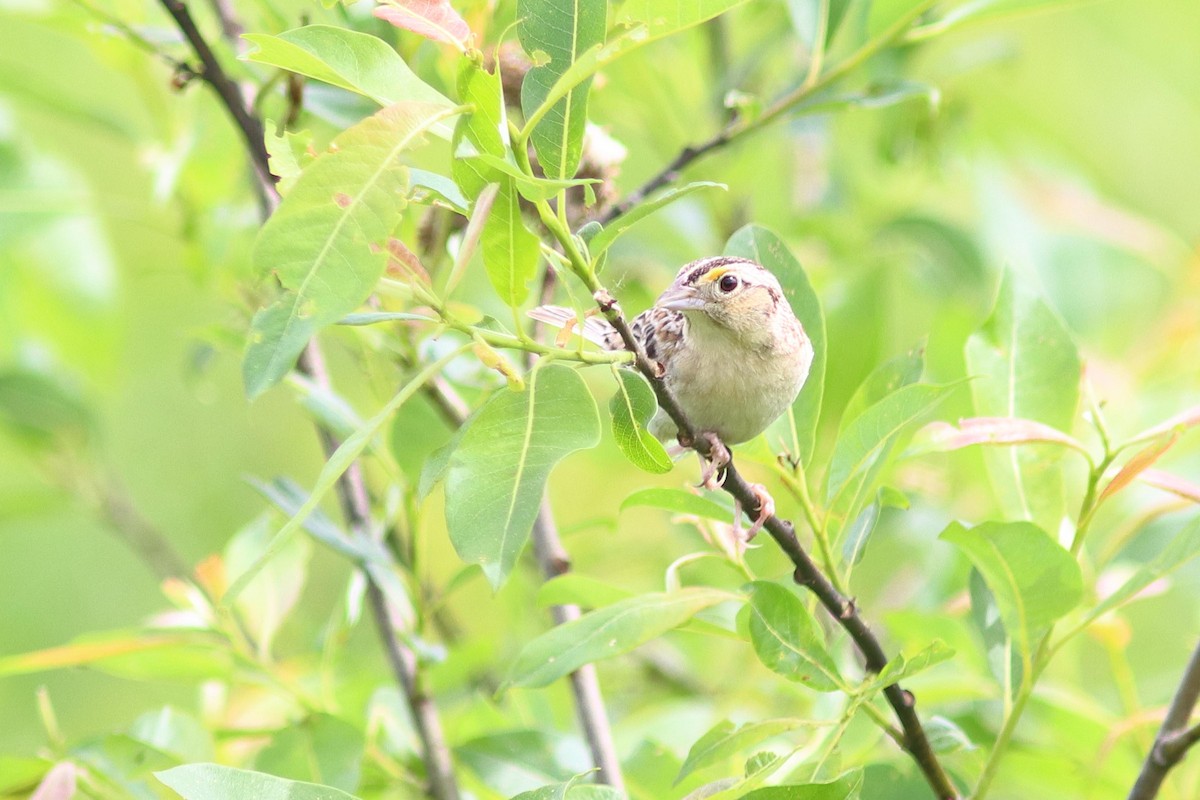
594, 329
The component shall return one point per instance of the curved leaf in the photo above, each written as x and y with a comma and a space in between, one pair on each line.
678, 501
433, 19
788, 640
1032, 578
215, 782
319, 241
358, 62
632, 407
498, 471
1025, 365
725, 739
607, 632
554, 33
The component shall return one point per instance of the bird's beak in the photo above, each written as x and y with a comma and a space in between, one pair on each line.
682, 298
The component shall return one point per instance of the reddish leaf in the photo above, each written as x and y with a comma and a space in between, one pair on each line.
994, 430
1171, 483
1185, 419
59, 783
1136, 466
433, 19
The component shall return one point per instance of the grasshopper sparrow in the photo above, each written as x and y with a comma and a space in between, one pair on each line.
727, 345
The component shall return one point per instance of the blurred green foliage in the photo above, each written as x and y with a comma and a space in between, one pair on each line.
1054, 143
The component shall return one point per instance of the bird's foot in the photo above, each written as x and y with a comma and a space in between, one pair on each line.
766, 510
718, 458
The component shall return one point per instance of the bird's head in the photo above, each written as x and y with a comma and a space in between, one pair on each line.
733, 294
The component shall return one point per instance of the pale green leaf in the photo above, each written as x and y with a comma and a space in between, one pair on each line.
726, 739
484, 130
498, 471
1183, 547
1033, 579
510, 250
1024, 364
865, 447
216, 782
796, 431
788, 640
533, 189
665, 17
885, 379
269, 598
632, 407
679, 502
903, 667
358, 62
319, 241
846, 787
572, 588
320, 748
554, 33
607, 632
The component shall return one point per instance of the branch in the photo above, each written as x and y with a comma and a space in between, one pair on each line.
736, 129
351, 489
1175, 737
807, 574
231, 97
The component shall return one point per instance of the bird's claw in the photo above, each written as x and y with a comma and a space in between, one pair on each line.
718, 459
766, 510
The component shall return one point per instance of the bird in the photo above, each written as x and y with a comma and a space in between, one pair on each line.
728, 347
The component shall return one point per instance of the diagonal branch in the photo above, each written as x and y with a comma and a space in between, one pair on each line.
807, 574
1175, 737
736, 129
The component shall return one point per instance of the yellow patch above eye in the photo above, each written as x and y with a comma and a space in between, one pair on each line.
713, 274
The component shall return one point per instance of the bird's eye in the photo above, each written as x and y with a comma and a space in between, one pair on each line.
728, 283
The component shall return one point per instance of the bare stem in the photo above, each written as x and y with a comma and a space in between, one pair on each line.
1174, 737
738, 128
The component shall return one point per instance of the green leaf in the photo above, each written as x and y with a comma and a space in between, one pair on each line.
607, 632
358, 62
610, 233
554, 33
679, 502
175, 733
40, 406
904, 667
846, 787
498, 472
320, 748
796, 431
573, 588
865, 447
319, 242
632, 407
532, 189
510, 250
215, 782
1183, 547
726, 739
269, 598
885, 379
1025, 365
482, 131
665, 17
788, 640
1033, 579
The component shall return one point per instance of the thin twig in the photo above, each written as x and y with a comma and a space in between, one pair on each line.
1174, 737
231, 96
351, 488
737, 128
